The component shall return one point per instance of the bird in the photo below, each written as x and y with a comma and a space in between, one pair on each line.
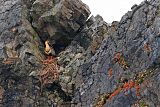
49, 51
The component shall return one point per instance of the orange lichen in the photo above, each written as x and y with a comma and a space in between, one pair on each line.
110, 72
124, 87
115, 93
147, 48
128, 85
120, 59
132, 84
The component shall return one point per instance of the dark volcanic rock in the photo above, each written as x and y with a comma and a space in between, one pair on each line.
137, 30
81, 49
59, 19
18, 57
21, 49
86, 50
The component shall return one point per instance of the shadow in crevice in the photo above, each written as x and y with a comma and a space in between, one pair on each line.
57, 87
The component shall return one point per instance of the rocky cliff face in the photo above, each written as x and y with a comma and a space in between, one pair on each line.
96, 64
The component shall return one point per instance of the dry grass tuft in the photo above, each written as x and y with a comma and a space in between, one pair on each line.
10, 60
49, 72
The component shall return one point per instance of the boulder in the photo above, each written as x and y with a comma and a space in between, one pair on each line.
59, 20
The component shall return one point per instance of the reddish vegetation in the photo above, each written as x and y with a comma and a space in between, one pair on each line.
49, 60
49, 73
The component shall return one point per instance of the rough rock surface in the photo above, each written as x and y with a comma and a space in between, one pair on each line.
86, 48
137, 30
58, 19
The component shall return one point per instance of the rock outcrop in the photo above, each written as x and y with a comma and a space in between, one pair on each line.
58, 20
100, 64
136, 38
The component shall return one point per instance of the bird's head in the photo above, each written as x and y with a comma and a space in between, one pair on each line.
47, 42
